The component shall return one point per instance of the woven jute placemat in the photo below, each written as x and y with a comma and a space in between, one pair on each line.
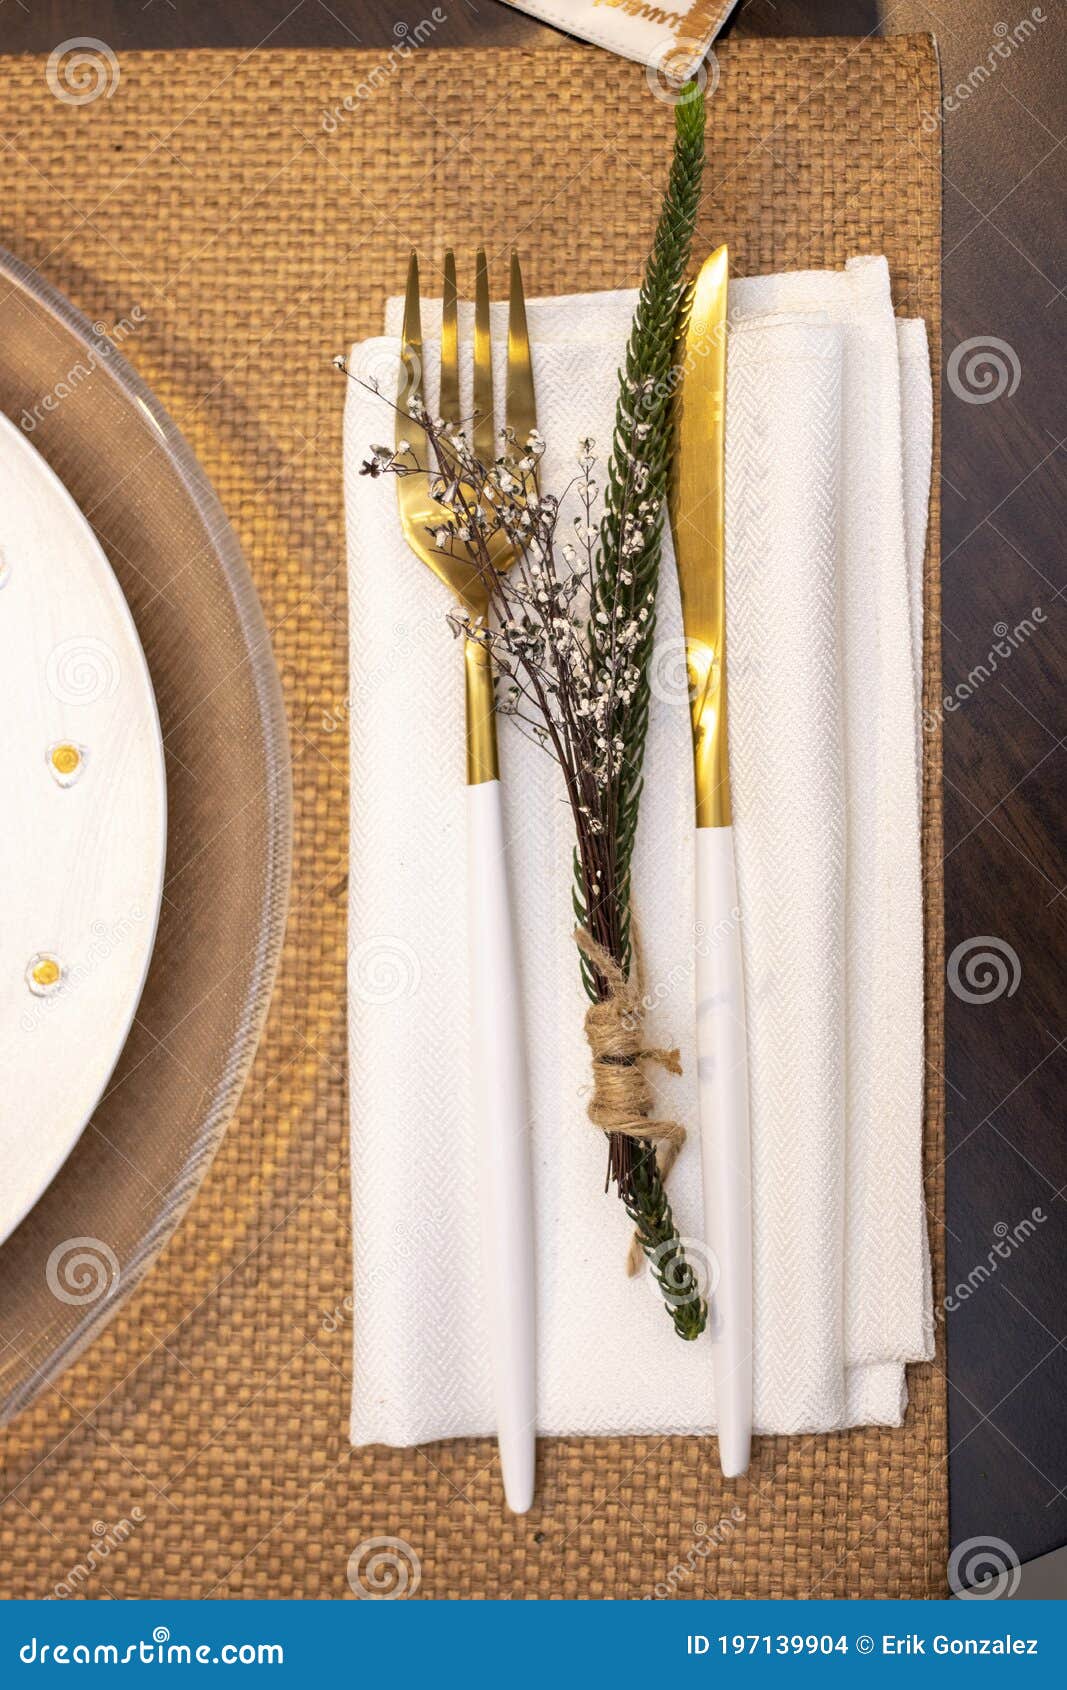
258, 208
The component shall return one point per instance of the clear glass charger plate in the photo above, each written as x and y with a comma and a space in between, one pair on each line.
122, 1191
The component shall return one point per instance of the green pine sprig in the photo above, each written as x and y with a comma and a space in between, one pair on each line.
629, 547
649, 1209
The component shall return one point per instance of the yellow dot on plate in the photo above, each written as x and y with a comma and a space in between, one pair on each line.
66, 761
44, 973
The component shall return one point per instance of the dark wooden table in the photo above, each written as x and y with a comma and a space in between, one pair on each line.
1004, 580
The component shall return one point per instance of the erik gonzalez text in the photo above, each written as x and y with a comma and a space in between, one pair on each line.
830, 1643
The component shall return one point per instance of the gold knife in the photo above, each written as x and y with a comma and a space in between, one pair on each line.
697, 523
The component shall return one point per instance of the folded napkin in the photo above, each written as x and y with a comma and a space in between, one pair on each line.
828, 446
670, 35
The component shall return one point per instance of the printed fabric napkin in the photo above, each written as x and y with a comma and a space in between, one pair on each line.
671, 37
828, 457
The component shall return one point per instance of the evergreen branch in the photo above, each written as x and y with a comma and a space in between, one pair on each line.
635, 496
650, 1210
625, 583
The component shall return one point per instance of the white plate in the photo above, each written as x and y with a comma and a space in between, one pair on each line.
82, 858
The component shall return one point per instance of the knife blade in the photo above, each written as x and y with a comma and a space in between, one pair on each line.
697, 512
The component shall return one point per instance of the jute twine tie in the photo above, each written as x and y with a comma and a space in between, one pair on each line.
622, 1100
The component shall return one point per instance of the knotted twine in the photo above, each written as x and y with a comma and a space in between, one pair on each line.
622, 1100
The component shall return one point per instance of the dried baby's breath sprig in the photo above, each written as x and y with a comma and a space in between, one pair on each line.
539, 609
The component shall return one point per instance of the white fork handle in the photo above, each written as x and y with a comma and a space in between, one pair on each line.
722, 1059
503, 1143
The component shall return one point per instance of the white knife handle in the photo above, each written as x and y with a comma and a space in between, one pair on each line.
502, 1141
722, 1065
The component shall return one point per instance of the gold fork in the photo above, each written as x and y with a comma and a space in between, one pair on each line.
497, 1060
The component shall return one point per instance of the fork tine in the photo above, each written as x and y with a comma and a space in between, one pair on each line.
449, 407
484, 430
409, 381
521, 405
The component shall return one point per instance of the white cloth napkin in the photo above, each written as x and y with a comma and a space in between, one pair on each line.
671, 33
828, 466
